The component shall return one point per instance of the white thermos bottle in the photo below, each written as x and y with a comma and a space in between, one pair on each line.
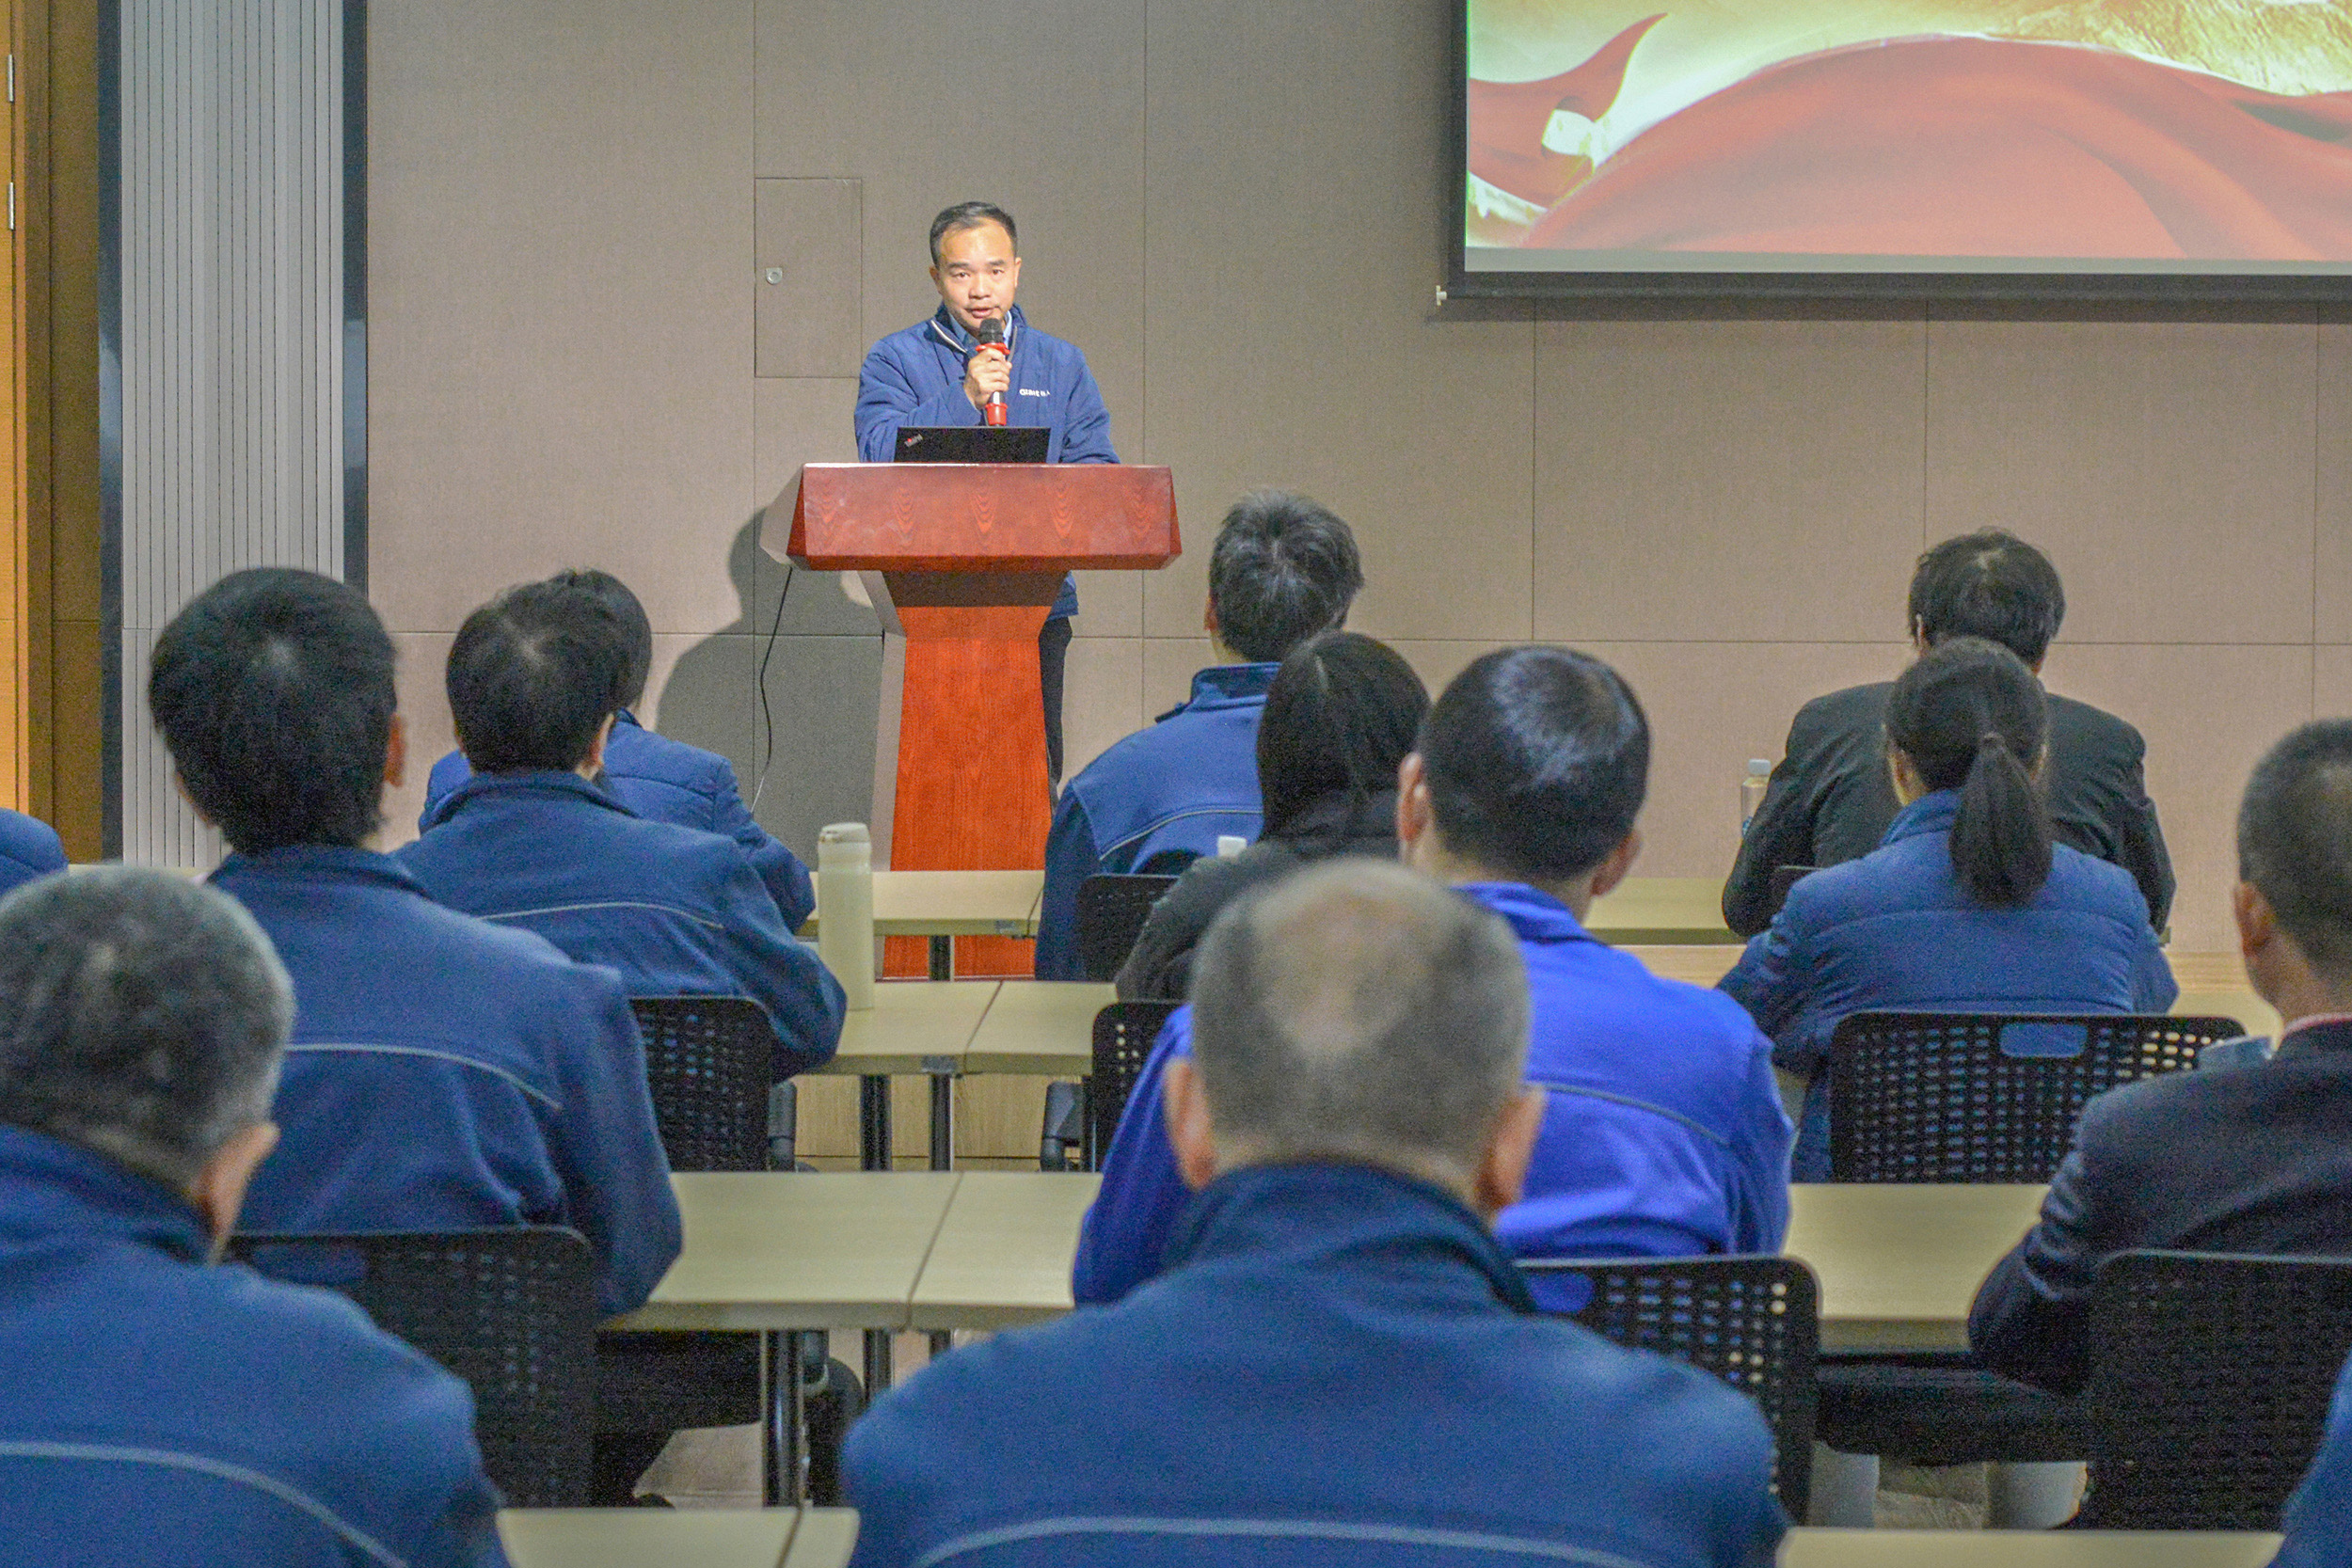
845, 909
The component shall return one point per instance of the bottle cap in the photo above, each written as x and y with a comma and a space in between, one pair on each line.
1759, 767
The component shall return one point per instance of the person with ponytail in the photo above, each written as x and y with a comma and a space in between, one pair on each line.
1967, 906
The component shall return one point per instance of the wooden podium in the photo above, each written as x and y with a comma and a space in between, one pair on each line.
963, 560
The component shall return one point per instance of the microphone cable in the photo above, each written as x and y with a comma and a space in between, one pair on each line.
767, 713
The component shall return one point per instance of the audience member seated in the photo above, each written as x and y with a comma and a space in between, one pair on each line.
1664, 1135
1282, 569
2245, 1158
660, 779
1969, 906
1339, 719
1829, 801
162, 1410
444, 1073
2318, 1519
536, 680
1340, 1364
29, 848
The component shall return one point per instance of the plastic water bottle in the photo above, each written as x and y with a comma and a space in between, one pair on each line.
845, 909
1751, 789
1229, 844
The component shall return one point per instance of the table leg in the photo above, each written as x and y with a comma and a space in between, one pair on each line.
943, 957
780, 1433
942, 1342
873, 1121
942, 1122
878, 1368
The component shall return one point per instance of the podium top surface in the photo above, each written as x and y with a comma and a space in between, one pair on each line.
975, 517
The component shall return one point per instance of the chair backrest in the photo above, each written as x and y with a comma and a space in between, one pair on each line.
2210, 1376
512, 1311
1753, 1321
1111, 911
1123, 1033
708, 1060
1986, 1097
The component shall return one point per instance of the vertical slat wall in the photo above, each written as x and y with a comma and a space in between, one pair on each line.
232, 231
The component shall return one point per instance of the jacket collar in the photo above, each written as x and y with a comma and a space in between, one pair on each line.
51, 1188
547, 788
316, 863
1327, 1218
948, 331
1226, 686
2327, 1032
1534, 914
1931, 812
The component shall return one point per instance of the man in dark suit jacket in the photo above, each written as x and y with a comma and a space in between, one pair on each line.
2252, 1158
1829, 799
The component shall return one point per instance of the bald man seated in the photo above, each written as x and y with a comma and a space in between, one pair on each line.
1339, 1365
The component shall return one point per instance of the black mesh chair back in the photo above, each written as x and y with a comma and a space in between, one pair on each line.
1111, 911
1123, 1033
708, 1061
2210, 1376
512, 1311
1986, 1097
1754, 1322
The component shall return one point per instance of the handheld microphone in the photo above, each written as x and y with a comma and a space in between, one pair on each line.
990, 334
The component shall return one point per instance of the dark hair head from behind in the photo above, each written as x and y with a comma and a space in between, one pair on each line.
1283, 568
533, 676
614, 596
1971, 717
971, 214
273, 690
1538, 760
1342, 713
142, 1015
2295, 841
1989, 584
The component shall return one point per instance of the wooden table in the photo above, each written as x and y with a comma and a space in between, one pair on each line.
951, 904
1040, 1026
824, 1540
659, 1537
2009, 1548
1004, 1250
914, 1026
1662, 910
1899, 1264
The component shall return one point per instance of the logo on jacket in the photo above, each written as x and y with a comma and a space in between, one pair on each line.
1033, 392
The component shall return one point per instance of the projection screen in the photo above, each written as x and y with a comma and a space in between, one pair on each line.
2129, 147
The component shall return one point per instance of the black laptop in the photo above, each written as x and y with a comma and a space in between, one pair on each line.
972, 443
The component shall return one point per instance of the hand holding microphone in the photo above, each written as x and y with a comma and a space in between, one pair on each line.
988, 370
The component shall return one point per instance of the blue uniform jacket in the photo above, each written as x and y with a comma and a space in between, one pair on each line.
2319, 1516
676, 913
1664, 1135
1156, 800
1340, 1367
445, 1074
1895, 931
160, 1412
916, 377
29, 848
663, 780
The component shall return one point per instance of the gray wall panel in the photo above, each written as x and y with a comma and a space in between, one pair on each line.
232, 430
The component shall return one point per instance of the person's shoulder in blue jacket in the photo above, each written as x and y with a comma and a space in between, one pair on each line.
674, 912
1283, 568
2318, 1520
446, 1073
668, 781
29, 848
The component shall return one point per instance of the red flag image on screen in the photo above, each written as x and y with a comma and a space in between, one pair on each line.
1970, 146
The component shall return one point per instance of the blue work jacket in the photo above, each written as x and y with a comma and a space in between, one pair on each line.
677, 912
445, 1074
160, 1412
29, 848
916, 377
2318, 1522
663, 780
1340, 1367
1895, 931
1154, 801
1663, 1134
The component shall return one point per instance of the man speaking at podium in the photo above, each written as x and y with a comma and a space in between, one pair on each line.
977, 349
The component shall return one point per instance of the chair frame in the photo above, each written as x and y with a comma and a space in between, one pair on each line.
1085, 1114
